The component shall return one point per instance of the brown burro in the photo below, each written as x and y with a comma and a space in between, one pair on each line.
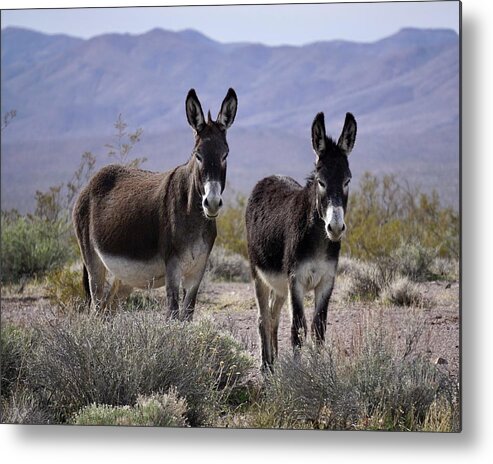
153, 229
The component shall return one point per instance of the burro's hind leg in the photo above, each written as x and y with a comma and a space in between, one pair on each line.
264, 322
276, 302
118, 293
97, 277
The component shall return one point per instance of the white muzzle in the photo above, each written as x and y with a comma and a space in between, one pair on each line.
212, 200
334, 223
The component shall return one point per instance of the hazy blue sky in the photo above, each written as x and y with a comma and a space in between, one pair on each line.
281, 24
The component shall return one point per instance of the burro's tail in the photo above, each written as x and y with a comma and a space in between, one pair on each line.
85, 282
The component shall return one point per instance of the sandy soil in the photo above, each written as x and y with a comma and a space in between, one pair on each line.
233, 306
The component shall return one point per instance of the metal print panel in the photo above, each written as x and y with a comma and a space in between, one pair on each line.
232, 216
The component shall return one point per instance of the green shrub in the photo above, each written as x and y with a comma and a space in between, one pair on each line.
89, 360
383, 214
31, 247
168, 410
231, 231
64, 288
228, 266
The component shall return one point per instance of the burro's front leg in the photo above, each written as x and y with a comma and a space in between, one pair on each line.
191, 284
323, 291
173, 287
298, 324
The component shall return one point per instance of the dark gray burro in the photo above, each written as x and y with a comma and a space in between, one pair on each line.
294, 235
147, 228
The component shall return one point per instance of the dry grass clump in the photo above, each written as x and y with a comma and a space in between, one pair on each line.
157, 410
444, 268
403, 292
361, 281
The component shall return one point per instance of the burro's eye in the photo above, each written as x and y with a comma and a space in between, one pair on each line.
223, 159
198, 156
346, 183
321, 184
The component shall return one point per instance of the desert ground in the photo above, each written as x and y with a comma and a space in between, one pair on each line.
233, 306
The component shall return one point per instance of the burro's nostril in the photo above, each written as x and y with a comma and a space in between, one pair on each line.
343, 227
220, 203
206, 203
329, 227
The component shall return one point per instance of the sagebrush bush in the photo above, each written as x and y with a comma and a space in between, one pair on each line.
15, 349
31, 247
228, 266
157, 410
305, 392
374, 387
87, 360
413, 260
18, 404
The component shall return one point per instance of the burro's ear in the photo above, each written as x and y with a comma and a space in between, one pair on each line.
348, 134
318, 135
195, 115
227, 113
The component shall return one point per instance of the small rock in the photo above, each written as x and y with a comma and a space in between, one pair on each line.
440, 361
448, 285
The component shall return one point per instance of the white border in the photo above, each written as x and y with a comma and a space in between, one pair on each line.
86, 445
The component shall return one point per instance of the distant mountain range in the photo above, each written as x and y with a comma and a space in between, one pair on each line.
68, 92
